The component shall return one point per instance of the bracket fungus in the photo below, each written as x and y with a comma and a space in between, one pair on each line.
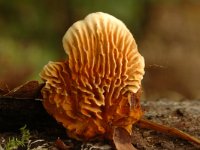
98, 87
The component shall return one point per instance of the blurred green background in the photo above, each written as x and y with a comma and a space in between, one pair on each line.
167, 33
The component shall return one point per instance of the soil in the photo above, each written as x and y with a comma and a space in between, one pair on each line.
184, 115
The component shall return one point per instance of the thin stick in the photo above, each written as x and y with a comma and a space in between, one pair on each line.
169, 130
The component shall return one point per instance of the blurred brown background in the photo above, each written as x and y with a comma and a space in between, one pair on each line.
167, 33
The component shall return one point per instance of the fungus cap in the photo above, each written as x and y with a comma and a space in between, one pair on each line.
98, 86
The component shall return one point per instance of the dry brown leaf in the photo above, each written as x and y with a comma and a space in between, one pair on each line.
122, 139
3, 88
61, 145
143, 123
30, 89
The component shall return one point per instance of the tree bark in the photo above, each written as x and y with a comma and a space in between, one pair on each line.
16, 112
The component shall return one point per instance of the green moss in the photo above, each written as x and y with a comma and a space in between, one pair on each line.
14, 143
